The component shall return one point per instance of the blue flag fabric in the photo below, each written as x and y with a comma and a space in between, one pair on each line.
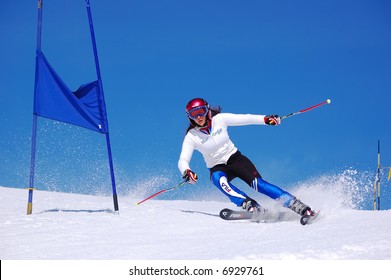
54, 100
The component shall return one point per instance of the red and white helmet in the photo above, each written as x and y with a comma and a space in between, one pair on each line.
197, 107
196, 102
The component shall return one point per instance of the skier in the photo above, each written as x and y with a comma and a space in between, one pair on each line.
208, 134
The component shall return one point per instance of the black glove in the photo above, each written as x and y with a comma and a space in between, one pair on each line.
272, 120
190, 176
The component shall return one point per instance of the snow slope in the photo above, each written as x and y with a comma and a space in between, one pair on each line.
67, 226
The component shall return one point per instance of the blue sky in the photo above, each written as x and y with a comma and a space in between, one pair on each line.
260, 57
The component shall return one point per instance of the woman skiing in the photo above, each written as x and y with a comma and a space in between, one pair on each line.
208, 134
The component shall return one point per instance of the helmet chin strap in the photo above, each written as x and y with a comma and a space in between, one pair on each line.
207, 125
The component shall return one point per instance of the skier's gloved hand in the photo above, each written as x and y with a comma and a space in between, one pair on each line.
272, 120
190, 176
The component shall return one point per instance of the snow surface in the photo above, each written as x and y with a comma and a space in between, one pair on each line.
67, 226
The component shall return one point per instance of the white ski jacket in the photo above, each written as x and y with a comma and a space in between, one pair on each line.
215, 147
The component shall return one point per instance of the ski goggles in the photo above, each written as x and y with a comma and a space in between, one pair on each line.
196, 112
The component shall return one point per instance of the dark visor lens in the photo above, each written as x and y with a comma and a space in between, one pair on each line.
198, 112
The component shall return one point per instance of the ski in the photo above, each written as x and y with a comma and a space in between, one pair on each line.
308, 219
266, 217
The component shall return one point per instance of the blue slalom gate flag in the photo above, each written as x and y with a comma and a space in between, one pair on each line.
84, 107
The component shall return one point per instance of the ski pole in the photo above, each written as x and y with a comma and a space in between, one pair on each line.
328, 101
162, 191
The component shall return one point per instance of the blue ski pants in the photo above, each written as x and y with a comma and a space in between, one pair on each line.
239, 166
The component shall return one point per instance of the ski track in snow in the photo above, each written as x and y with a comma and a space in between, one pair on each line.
67, 226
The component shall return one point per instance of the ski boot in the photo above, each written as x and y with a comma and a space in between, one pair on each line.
250, 205
306, 213
299, 207
258, 212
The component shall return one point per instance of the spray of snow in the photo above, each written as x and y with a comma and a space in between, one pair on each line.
349, 189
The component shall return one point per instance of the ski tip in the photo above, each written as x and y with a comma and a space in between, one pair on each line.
225, 213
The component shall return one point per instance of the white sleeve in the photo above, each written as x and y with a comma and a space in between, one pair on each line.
241, 119
186, 154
